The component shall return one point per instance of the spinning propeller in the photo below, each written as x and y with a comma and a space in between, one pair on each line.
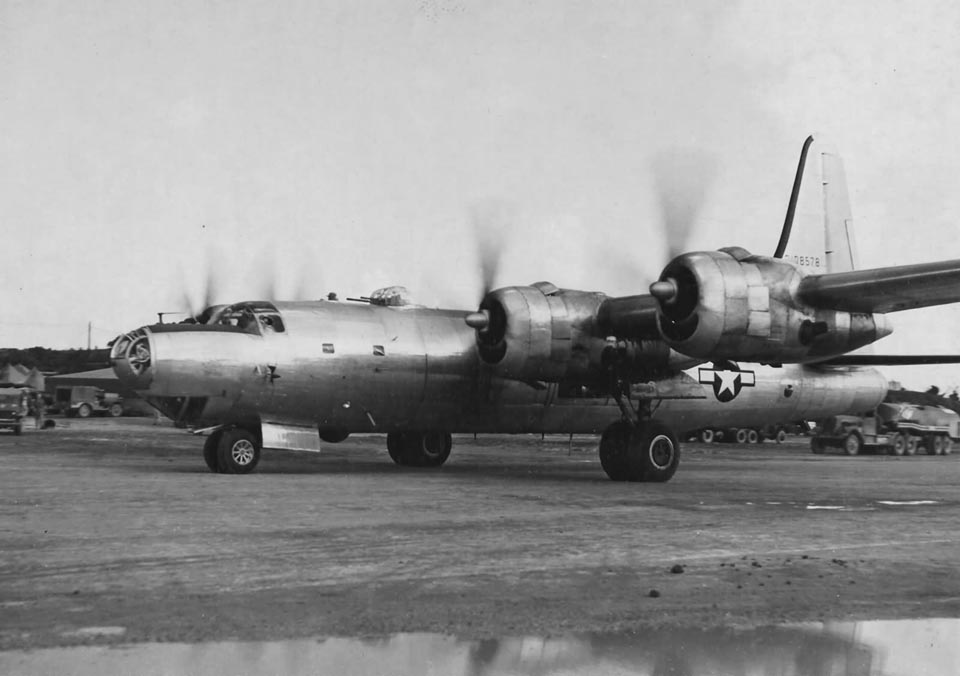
682, 178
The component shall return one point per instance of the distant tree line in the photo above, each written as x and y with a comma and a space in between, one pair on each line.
931, 397
56, 361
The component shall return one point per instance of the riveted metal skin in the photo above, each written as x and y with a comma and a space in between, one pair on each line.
732, 305
354, 367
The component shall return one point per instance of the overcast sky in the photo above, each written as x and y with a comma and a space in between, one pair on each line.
295, 148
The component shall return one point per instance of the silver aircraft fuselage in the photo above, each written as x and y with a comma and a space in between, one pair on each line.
358, 367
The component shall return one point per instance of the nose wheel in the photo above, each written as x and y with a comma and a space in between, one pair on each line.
231, 451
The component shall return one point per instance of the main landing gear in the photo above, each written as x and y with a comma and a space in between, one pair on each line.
648, 452
419, 449
637, 448
232, 451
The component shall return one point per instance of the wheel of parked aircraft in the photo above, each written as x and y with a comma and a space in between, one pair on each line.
615, 451
238, 451
899, 445
852, 444
654, 453
211, 449
706, 435
741, 436
781, 436
753, 437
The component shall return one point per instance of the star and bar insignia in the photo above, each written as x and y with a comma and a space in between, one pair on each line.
727, 380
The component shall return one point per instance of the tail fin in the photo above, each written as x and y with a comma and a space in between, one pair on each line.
817, 232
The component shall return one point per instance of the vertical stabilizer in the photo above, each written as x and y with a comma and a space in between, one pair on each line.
818, 230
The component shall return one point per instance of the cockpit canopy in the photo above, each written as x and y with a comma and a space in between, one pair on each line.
257, 317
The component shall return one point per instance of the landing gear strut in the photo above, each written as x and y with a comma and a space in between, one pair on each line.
638, 448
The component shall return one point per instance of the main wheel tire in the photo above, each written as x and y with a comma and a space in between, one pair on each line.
852, 444
84, 411
753, 437
654, 453
419, 449
431, 448
238, 451
706, 435
211, 451
615, 451
116, 410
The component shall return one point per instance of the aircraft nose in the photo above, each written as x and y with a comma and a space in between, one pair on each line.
132, 359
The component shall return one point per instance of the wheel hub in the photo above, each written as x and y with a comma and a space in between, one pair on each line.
661, 451
242, 452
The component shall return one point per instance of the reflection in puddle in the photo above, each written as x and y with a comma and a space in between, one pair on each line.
881, 648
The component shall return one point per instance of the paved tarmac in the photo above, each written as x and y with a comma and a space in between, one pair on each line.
114, 531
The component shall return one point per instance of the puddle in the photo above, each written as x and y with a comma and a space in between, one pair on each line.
879, 648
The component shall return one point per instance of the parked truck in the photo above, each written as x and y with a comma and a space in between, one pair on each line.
748, 435
13, 408
896, 429
85, 400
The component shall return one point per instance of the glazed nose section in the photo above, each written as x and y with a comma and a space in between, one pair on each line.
132, 359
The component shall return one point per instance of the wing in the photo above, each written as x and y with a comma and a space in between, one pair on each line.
904, 287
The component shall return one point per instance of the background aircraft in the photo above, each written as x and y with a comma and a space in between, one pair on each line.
638, 369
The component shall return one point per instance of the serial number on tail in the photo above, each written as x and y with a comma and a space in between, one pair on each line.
805, 261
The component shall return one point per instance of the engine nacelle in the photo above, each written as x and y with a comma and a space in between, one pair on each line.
542, 333
729, 304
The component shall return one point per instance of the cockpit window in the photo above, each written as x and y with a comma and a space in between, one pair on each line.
271, 323
256, 318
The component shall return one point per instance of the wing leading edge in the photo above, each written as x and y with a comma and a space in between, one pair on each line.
892, 289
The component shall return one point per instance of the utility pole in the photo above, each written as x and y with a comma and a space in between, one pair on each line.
89, 328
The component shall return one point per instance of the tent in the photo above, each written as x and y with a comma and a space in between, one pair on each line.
15, 375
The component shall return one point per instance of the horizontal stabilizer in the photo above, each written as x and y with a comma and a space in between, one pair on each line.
891, 360
904, 287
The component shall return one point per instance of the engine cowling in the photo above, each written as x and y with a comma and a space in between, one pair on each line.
543, 333
729, 304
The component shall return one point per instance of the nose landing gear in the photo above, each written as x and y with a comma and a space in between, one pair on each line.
231, 451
